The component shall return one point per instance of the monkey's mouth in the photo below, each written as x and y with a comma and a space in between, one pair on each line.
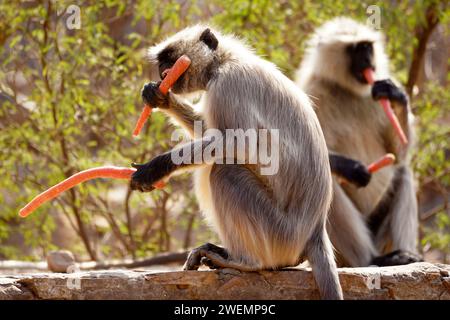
164, 73
164, 69
360, 76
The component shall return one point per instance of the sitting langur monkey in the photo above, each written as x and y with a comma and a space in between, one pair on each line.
382, 218
264, 221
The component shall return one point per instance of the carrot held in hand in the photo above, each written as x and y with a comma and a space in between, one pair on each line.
141, 121
386, 104
77, 178
173, 74
386, 160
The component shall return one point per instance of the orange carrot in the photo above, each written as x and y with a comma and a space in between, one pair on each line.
386, 104
141, 121
160, 184
386, 160
77, 178
173, 74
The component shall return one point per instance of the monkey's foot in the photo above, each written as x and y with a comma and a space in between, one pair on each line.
206, 254
214, 257
396, 258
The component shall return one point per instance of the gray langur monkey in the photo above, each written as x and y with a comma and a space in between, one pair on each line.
382, 218
264, 222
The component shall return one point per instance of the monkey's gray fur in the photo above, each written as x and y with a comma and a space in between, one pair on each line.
264, 222
355, 126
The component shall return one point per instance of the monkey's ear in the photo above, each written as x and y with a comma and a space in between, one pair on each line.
209, 39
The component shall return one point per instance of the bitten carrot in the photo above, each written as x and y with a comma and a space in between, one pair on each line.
171, 77
386, 160
77, 178
386, 104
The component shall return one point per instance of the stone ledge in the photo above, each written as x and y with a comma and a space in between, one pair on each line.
415, 281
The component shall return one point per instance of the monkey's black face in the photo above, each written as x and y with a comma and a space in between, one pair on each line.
361, 58
166, 60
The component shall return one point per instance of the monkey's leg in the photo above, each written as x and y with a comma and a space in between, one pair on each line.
399, 230
320, 255
258, 236
243, 220
348, 231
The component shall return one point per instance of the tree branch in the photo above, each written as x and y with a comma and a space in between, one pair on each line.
422, 33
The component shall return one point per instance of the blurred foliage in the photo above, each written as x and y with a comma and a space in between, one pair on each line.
69, 99
431, 161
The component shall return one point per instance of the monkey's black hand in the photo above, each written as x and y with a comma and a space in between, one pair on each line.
150, 173
387, 89
153, 97
396, 258
351, 170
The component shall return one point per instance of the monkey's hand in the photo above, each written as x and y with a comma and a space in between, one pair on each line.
387, 89
153, 97
350, 170
149, 173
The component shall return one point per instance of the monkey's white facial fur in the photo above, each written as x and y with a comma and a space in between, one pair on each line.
327, 54
205, 48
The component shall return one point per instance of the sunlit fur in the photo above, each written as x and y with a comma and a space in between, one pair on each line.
325, 54
355, 126
265, 222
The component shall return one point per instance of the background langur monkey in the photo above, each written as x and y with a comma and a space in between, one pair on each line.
382, 217
264, 222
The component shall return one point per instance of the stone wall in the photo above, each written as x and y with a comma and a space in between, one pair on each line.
415, 281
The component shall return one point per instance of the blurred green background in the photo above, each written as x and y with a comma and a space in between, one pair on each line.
69, 99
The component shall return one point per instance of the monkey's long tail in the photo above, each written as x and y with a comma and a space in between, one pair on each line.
77, 178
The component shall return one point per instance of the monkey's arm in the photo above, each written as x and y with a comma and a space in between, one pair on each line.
186, 156
351, 170
395, 223
178, 109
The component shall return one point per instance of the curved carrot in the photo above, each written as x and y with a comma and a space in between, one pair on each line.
77, 178
173, 74
179, 67
160, 184
141, 121
386, 104
386, 160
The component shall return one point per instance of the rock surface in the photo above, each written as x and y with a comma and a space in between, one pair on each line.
60, 261
415, 281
